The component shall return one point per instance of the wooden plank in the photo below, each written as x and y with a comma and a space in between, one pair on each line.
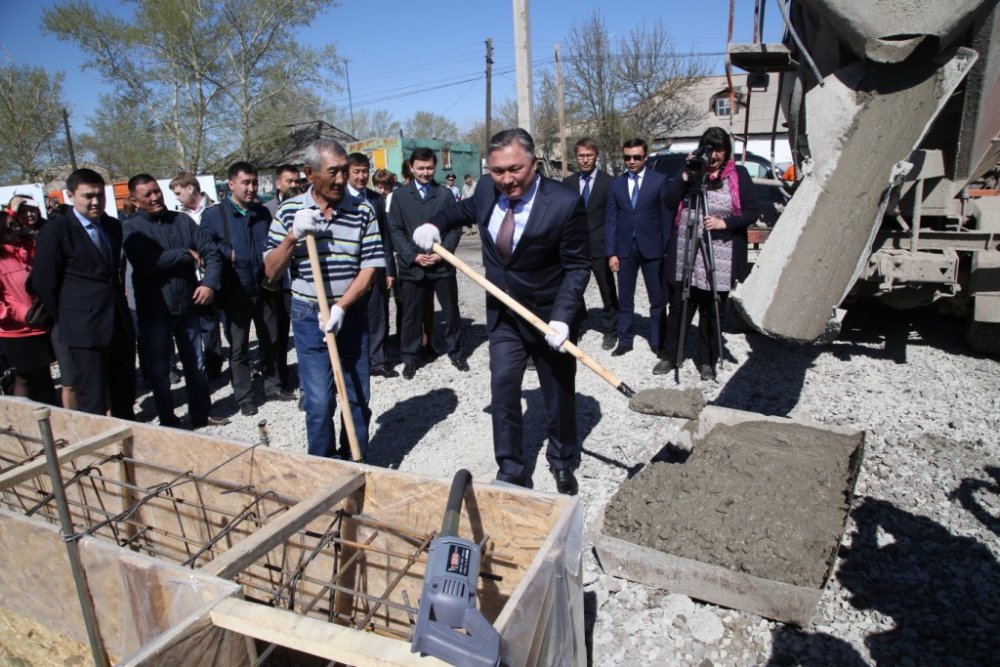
702, 581
315, 637
252, 549
37, 467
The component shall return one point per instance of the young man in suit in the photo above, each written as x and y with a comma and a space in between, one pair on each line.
636, 232
358, 171
592, 184
535, 247
79, 277
423, 272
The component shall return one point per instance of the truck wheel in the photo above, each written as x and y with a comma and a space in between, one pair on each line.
983, 337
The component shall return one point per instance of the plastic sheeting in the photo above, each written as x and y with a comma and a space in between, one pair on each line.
143, 605
542, 623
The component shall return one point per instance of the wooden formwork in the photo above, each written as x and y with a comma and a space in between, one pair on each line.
334, 551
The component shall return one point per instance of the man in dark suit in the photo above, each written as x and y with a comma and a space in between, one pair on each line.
422, 272
358, 171
592, 184
636, 232
78, 276
535, 248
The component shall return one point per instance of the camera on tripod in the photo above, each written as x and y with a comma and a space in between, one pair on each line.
697, 164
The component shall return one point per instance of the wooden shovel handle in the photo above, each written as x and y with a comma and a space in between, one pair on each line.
331, 346
533, 319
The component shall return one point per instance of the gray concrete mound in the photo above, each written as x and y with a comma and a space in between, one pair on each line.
666, 402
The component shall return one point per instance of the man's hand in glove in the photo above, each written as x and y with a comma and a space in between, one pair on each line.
307, 221
426, 235
333, 324
557, 337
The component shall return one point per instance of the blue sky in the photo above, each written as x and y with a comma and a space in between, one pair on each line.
412, 57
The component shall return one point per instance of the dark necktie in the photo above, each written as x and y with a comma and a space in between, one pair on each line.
586, 189
100, 241
505, 235
635, 191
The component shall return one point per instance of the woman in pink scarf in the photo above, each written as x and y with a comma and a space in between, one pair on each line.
731, 207
25, 347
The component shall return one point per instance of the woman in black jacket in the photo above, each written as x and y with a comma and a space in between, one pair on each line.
731, 207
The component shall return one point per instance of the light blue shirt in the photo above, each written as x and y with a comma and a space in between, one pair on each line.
522, 211
93, 231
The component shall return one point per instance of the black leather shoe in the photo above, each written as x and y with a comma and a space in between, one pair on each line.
565, 481
460, 363
609, 341
279, 394
382, 370
171, 422
707, 372
621, 349
248, 409
663, 366
409, 370
428, 353
210, 421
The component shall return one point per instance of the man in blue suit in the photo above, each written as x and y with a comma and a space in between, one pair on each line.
535, 247
636, 230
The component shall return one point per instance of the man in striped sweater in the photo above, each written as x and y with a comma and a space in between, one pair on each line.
350, 253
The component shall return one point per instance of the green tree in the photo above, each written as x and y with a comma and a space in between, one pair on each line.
30, 118
206, 73
428, 125
125, 141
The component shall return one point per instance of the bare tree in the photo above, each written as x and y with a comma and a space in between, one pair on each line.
30, 118
634, 86
125, 141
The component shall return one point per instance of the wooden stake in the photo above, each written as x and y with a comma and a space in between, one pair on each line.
331, 345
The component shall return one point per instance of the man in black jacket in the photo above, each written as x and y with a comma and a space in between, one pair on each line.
78, 277
358, 171
592, 184
165, 249
238, 226
421, 272
534, 238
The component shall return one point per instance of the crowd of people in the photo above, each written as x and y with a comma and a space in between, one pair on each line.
93, 292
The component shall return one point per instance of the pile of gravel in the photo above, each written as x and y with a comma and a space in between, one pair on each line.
917, 579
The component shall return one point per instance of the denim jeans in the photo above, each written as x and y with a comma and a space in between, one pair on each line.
316, 375
158, 336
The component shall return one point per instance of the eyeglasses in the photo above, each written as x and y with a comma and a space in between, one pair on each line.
633, 158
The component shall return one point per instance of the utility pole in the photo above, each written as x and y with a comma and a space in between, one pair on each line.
350, 100
69, 139
489, 89
522, 65
562, 115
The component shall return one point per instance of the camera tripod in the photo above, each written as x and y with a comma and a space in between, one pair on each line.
695, 208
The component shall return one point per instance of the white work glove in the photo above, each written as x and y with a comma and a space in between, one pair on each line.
426, 235
306, 221
557, 337
333, 324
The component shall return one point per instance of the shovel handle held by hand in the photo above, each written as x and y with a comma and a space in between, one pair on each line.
331, 345
533, 319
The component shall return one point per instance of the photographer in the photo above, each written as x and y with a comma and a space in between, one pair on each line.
731, 207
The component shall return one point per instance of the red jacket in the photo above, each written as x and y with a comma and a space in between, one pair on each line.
15, 266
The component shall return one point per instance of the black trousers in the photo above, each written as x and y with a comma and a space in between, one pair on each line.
242, 310
605, 279
276, 306
211, 340
378, 319
700, 301
511, 344
412, 300
105, 376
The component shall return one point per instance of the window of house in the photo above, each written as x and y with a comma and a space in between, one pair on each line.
722, 107
446, 158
